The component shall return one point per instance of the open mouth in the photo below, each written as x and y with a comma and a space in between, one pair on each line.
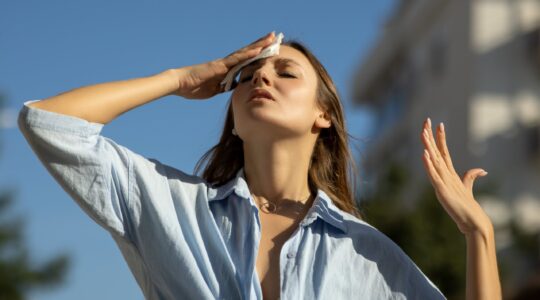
260, 94
260, 98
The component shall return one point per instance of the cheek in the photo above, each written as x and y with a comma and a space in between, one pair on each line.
236, 109
300, 100
235, 94
237, 97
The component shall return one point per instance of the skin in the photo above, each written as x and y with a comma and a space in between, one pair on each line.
455, 194
276, 162
278, 139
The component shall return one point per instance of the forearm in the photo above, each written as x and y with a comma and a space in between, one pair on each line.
101, 103
482, 273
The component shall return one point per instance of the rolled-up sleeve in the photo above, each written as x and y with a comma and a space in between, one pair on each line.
92, 169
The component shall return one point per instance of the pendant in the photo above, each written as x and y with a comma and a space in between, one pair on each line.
269, 207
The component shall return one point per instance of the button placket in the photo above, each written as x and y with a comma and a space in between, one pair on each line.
292, 248
287, 263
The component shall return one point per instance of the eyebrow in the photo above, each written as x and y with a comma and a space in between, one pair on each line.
277, 60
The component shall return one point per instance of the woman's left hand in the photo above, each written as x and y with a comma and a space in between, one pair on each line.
454, 193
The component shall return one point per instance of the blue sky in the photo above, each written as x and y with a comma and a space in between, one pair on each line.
49, 47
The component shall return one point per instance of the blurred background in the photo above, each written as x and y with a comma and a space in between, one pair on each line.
474, 65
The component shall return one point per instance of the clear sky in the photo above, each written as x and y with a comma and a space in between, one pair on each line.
48, 47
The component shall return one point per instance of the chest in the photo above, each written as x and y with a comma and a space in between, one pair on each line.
275, 231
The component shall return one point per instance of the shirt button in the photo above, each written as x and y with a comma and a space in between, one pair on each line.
291, 255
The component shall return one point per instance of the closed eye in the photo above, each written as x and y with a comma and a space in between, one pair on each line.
246, 78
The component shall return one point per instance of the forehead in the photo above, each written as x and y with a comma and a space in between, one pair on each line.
287, 56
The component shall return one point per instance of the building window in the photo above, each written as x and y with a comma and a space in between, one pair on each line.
533, 43
437, 55
392, 108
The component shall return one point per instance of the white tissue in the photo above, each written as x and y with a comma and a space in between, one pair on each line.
272, 49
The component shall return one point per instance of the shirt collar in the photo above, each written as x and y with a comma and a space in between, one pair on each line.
322, 207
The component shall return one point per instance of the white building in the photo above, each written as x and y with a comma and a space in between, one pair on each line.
474, 65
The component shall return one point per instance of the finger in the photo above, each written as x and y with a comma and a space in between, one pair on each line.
262, 42
238, 57
437, 158
268, 36
436, 161
434, 177
443, 148
436, 153
438, 184
470, 176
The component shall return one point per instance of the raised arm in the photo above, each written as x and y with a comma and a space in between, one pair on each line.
482, 272
456, 196
64, 132
101, 103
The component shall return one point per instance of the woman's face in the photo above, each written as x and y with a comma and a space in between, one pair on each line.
291, 80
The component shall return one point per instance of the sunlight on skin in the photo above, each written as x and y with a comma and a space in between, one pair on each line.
456, 196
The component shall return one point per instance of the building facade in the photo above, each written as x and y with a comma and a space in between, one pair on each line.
474, 65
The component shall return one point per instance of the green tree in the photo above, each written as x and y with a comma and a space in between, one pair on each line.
425, 232
18, 274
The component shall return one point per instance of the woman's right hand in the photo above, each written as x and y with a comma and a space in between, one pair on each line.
203, 80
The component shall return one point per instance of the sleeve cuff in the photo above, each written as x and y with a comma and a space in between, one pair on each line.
36, 117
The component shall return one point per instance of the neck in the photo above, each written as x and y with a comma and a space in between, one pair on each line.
278, 171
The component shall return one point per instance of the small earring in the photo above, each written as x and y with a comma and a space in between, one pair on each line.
234, 132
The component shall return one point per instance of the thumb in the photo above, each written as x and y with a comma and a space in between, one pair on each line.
470, 176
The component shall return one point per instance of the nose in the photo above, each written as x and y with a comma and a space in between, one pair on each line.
260, 77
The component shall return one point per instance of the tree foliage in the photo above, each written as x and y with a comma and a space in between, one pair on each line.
423, 230
430, 237
18, 273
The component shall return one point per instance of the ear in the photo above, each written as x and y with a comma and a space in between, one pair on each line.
323, 120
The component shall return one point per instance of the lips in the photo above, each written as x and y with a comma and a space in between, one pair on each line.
260, 93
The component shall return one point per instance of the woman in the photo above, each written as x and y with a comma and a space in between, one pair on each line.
273, 214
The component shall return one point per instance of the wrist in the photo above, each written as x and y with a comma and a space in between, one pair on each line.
483, 233
173, 78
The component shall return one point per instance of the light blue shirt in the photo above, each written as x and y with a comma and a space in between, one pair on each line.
182, 238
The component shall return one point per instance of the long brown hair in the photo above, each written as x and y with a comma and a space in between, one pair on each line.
331, 161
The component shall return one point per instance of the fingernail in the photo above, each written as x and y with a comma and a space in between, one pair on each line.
442, 126
429, 122
483, 173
